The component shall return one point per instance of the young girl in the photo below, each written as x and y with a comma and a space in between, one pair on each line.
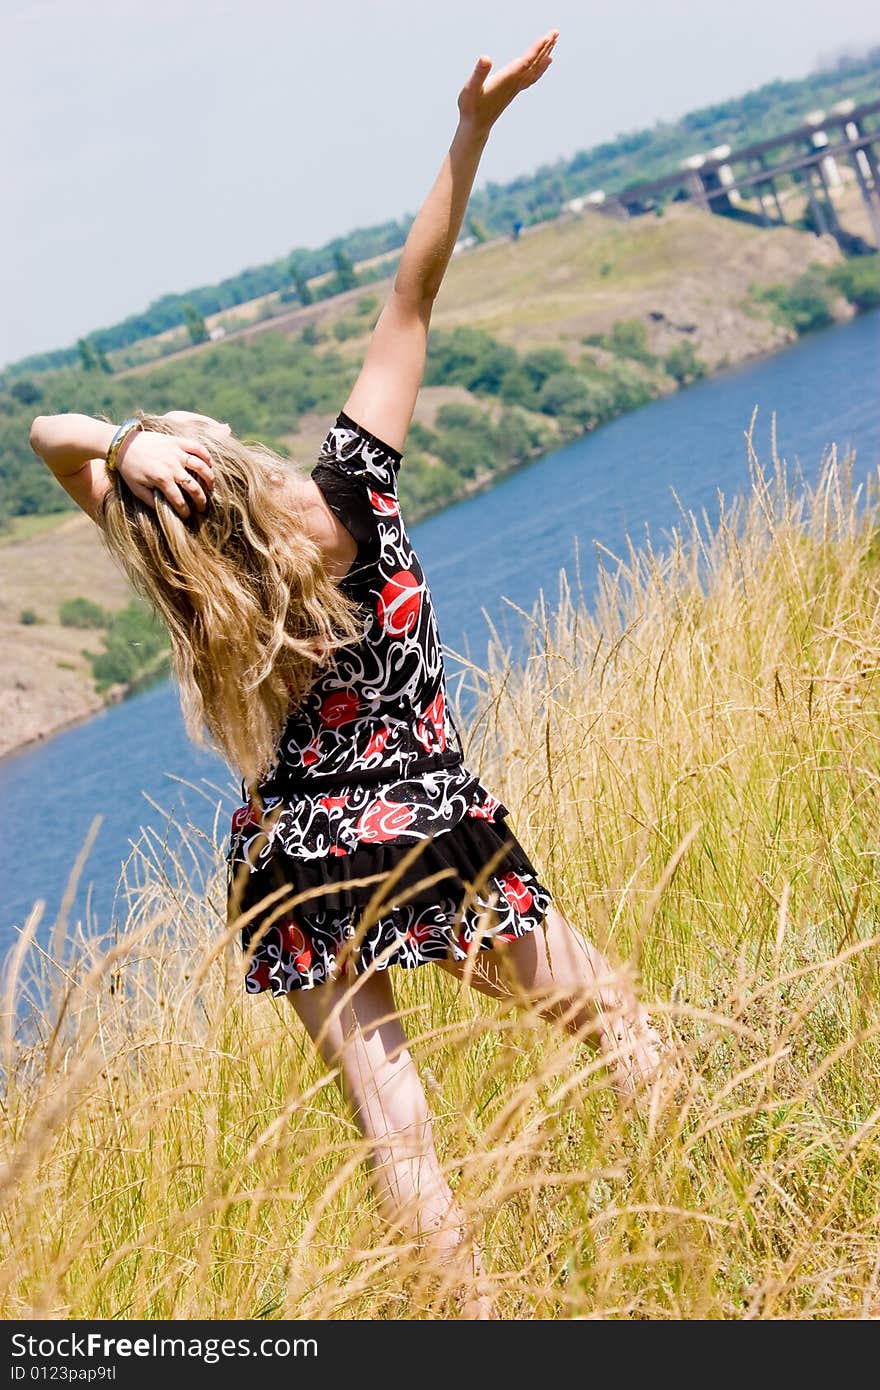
305, 640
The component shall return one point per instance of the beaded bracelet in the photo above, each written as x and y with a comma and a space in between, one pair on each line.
131, 426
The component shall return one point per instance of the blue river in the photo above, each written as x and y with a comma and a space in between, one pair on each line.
133, 765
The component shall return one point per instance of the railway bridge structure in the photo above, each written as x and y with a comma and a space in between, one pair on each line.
811, 156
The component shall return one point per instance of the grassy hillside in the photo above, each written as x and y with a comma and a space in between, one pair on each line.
695, 767
602, 317
531, 199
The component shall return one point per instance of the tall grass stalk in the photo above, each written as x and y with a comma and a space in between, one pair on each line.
694, 760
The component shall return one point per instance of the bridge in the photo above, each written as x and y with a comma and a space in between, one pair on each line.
809, 156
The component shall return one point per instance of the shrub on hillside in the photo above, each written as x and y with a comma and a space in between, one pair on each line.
570, 396
466, 440
683, 364
81, 612
858, 280
617, 387
26, 392
134, 643
628, 338
517, 388
427, 484
804, 305
468, 357
455, 416
543, 362
518, 437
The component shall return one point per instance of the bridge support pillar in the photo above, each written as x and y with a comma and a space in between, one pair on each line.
864, 163
766, 190
820, 219
693, 181
774, 193
829, 209
830, 171
762, 204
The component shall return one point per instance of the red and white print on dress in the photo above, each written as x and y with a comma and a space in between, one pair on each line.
379, 709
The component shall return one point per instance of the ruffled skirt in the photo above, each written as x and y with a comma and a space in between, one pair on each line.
453, 893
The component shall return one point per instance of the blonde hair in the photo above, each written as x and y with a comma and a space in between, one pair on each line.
252, 613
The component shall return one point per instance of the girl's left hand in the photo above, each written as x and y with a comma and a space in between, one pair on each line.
483, 98
178, 467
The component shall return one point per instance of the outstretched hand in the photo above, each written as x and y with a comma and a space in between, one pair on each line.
484, 96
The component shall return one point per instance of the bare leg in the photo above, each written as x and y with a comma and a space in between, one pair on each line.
566, 978
356, 1027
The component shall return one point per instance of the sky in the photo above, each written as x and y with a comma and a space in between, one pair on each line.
155, 145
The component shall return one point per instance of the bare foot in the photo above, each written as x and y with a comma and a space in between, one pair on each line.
478, 1305
479, 1309
634, 1052
460, 1272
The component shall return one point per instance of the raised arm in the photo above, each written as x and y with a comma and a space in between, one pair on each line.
74, 446
384, 395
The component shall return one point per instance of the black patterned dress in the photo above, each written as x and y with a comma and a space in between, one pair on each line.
369, 766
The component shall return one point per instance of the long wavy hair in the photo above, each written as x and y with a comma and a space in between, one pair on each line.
251, 610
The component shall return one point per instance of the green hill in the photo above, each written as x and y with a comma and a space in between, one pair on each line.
531, 198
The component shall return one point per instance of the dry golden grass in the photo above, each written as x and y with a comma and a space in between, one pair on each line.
695, 763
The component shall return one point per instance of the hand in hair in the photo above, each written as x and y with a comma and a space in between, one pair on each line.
206, 423
178, 467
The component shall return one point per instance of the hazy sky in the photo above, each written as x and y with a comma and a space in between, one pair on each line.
155, 145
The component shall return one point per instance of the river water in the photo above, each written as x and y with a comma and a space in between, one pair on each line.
129, 764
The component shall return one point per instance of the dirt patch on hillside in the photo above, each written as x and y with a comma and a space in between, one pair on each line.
45, 677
